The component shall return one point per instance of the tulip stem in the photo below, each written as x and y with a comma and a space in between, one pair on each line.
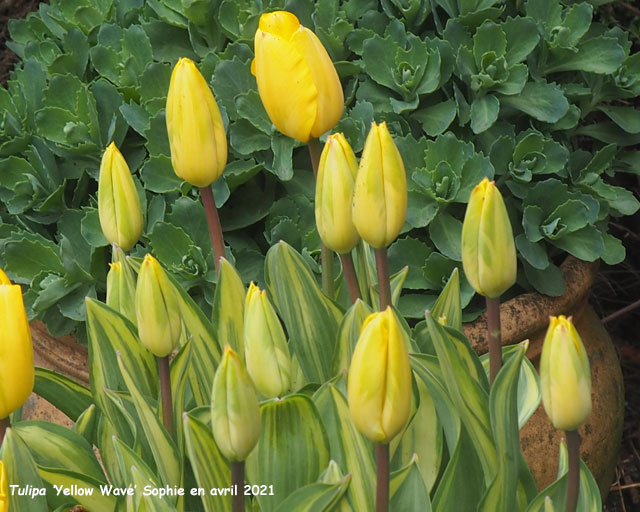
326, 258
237, 483
384, 285
350, 277
4, 425
382, 484
164, 373
363, 271
495, 338
213, 220
573, 447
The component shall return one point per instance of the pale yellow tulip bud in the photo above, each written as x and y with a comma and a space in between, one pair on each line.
118, 202
265, 346
297, 82
488, 249
565, 375
157, 309
16, 350
379, 382
380, 198
195, 128
334, 195
235, 411
121, 287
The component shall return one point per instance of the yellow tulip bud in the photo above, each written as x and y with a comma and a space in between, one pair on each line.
297, 82
194, 124
118, 202
235, 411
488, 249
16, 350
565, 375
265, 346
380, 198
157, 309
334, 195
379, 382
4, 489
121, 286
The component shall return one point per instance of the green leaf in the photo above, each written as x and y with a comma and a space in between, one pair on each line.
28, 258
484, 112
626, 118
348, 335
585, 244
65, 394
409, 252
542, 101
292, 450
228, 308
534, 253
318, 497
93, 499
446, 234
549, 281
435, 119
448, 308
522, 37
310, 317
600, 54
613, 252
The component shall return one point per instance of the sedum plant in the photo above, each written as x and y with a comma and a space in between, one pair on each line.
530, 94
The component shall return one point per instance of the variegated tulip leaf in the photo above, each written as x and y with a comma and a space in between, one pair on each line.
228, 308
87, 423
348, 334
64, 393
90, 497
407, 490
316, 497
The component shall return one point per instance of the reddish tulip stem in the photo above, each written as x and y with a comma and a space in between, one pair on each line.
573, 447
213, 220
4, 425
384, 284
237, 483
326, 258
382, 483
494, 338
164, 373
350, 276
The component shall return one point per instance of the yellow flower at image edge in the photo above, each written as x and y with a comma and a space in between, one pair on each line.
195, 128
16, 350
565, 375
379, 381
4, 489
297, 82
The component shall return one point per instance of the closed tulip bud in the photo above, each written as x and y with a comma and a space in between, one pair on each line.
265, 346
488, 250
235, 411
334, 195
16, 350
194, 124
157, 309
380, 198
565, 375
379, 382
4, 489
121, 287
297, 82
118, 202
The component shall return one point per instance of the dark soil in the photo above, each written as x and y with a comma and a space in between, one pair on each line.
615, 296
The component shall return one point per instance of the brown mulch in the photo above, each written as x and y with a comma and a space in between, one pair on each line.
11, 9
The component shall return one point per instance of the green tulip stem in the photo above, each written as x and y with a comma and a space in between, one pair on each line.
4, 425
165, 391
213, 220
382, 483
384, 285
350, 276
573, 447
495, 338
237, 483
363, 271
326, 258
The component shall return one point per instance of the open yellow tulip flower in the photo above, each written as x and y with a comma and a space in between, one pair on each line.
297, 82
195, 128
488, 249
334, 195
379, 381
565, 375
118, 202
16, 349
380, 197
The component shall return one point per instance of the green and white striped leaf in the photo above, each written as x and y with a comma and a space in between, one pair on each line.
163, 449
149, 503
348, 334
333, 475
349, 448
310, 317
407, 490
54, 446
105, 434
87, 423
448, 307
529, 391
179, 370
317, 497
92, 500
21, 470
228, 308
127, 459
64, 393
210, 467
396, 282
292, 450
